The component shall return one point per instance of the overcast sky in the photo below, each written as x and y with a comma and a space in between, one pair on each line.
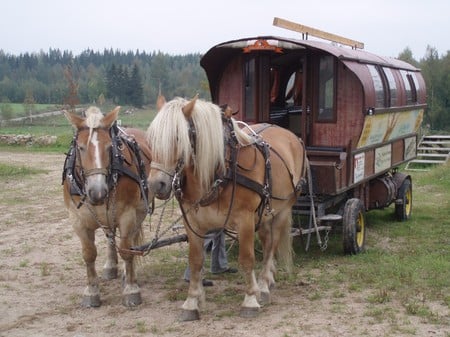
386, 27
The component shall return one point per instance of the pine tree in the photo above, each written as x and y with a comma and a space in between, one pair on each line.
136, 88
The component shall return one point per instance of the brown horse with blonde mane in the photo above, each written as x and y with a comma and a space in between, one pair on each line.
105, 187
225, 178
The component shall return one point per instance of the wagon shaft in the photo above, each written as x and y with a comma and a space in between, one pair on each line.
141, 250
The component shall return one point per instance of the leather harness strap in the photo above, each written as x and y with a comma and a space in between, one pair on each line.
117, 167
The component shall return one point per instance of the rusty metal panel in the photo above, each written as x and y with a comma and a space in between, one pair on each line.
329, 170
370, 163
381, 192
325, 179
398, 149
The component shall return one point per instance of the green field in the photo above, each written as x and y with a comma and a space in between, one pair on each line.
59, 126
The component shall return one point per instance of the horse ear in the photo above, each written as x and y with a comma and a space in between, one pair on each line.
187, 109
75, 120
160, 101
227, 111
110, 117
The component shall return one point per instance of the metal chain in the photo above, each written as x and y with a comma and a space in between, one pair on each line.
324, 246
158, 233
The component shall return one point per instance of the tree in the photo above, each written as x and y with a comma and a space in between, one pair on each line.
112, 90
407, 56
28, 104
6, 110
136, 88
71, 98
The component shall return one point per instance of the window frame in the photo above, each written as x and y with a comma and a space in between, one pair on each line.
321, 98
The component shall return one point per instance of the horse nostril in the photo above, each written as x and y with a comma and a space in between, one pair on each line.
162, 186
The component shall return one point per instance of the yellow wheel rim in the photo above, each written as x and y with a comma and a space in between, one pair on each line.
408, 203
360, 228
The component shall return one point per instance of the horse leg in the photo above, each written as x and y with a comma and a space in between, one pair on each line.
271, 233
91, 294
250, 306
110, 267
196, 293
266, 277
131, 295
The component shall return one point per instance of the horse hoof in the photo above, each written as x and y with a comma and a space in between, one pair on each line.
109, 273
264, 298
91, 301
249, 312
132, 300
189, 315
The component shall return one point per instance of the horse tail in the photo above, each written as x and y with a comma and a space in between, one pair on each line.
284, 249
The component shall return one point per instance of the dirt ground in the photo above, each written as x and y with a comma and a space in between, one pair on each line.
42, 277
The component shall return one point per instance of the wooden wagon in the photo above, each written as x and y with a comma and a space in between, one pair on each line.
358, 114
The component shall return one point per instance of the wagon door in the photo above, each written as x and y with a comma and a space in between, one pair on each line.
256, 87
327, 136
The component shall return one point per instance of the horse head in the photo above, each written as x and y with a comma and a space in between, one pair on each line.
187, 147
93, 151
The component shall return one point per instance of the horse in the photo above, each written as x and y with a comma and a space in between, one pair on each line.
105, 186
227, 178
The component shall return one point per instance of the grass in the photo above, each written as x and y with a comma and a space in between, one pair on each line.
8, 171
60, 127
405, 262
19, 109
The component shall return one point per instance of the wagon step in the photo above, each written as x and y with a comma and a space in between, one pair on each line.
301, 231
330, 218
323, 219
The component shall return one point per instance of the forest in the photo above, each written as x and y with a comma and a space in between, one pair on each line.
134, 78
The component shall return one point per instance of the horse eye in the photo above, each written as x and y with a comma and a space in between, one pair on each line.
81, 148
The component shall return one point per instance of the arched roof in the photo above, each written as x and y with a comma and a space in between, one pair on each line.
215, 60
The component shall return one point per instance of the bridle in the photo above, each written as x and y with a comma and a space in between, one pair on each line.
119, 140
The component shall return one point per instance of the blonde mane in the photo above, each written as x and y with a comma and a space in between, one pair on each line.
93, 119
168, 135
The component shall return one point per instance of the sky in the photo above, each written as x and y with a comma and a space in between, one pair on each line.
386, 27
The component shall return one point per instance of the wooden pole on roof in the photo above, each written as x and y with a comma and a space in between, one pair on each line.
282, 23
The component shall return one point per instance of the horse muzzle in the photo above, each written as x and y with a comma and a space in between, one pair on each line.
160, 188
96, 189
160, 185
160, 181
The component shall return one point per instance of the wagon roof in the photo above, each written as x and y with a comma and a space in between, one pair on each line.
218, 55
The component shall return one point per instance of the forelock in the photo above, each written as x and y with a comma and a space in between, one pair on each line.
93, 117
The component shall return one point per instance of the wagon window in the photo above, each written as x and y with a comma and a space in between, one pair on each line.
407, 82
326, 89
392, 86
378, 85
414, 86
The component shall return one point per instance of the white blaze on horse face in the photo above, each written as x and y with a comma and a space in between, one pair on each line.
94, 141
96, 183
